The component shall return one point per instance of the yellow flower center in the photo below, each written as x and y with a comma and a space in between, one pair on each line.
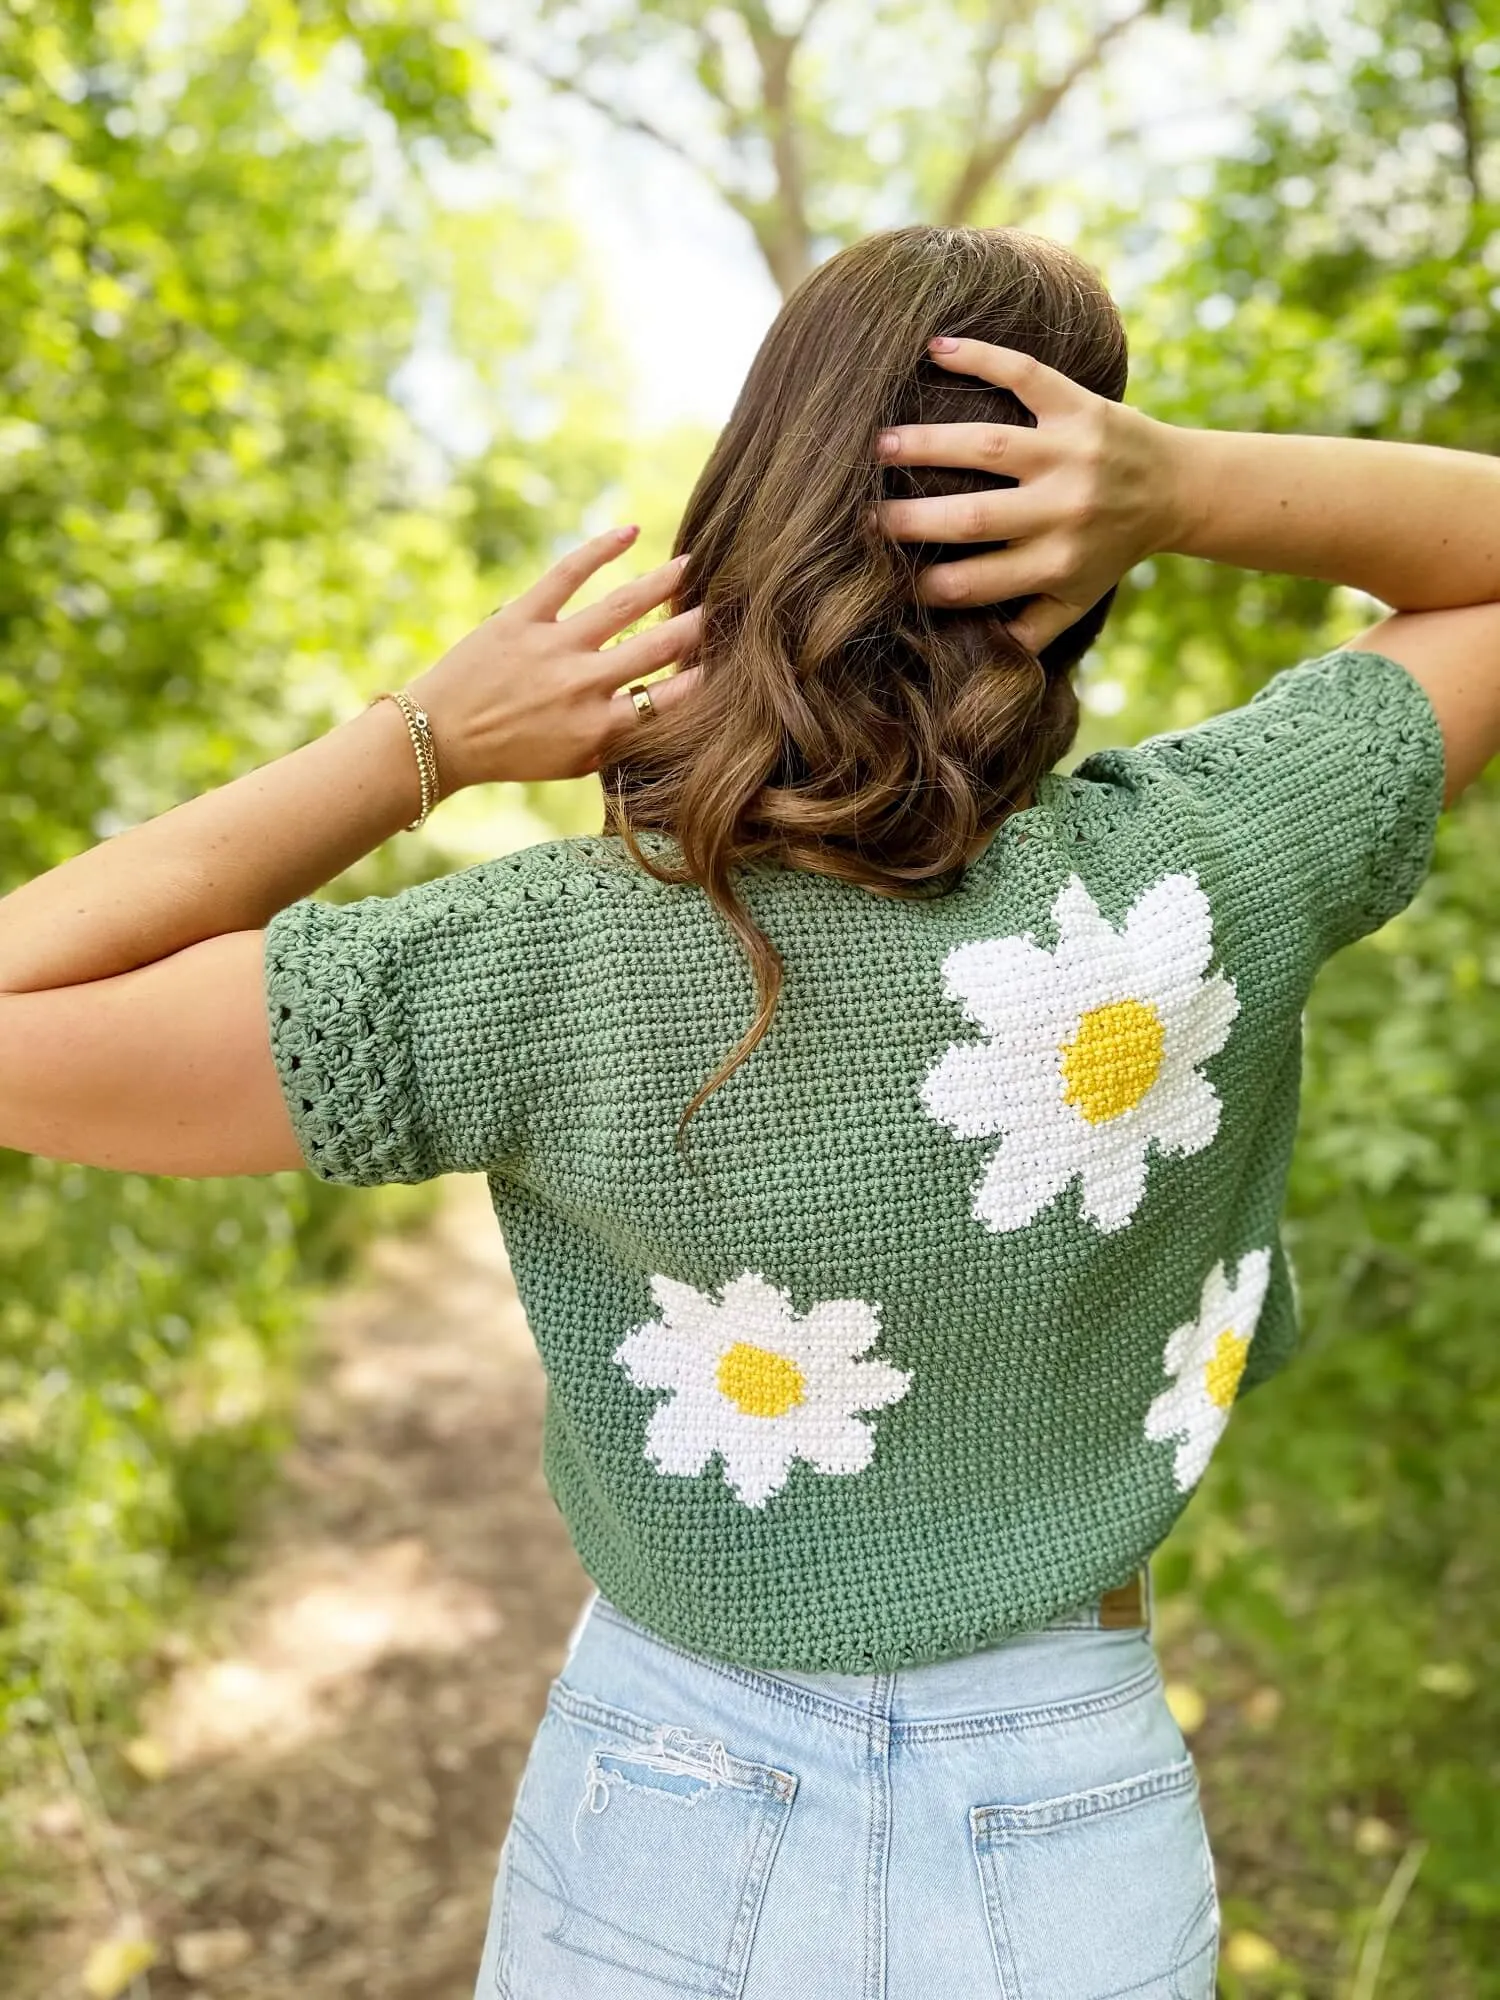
1114, 1058
1225, 1366
759, 1381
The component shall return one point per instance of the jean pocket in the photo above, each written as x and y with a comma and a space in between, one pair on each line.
637, 1859
1103, 1893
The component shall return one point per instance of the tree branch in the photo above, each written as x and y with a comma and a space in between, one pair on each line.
780, 226
990, 154
1463, 97
788, 246
1001, 21
618, 116
814, 8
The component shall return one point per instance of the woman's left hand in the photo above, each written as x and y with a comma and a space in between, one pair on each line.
529, 694
1095, 494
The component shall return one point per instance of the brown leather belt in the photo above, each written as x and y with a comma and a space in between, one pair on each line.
1125, 1608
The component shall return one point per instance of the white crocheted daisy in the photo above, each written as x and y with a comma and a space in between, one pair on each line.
756, 1384
1091, 1052
1208, 1358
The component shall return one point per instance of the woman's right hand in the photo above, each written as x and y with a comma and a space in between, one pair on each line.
1096, 494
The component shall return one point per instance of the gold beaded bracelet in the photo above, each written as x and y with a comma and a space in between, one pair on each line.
420, 731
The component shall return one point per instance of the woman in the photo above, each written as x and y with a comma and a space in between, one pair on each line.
889, 1318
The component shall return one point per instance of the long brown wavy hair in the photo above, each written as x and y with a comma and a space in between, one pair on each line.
840, 725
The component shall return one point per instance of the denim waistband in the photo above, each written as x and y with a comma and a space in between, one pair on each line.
1075, 1656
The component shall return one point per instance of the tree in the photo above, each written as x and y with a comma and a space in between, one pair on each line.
820, 121
221, 243
209, 490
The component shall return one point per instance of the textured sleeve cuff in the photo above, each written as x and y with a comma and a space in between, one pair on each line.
342, 1044
1396, 775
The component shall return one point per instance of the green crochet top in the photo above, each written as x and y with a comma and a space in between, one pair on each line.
934, 1333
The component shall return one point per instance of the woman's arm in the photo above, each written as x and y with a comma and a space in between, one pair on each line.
520, 697
1414, 525
1103, 486
133, 1027
224, 862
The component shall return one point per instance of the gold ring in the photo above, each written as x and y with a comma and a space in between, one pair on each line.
640, 694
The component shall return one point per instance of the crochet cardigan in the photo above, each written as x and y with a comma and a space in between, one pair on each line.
932, 1335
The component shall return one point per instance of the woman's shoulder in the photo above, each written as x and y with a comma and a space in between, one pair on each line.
1346, 697
1324, 788
570, 869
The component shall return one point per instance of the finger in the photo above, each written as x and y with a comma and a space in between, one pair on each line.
551, 592
1043, 390
1001, 514
622, 607
665, 695
647, 651
1012, 448
991, 579
1043, 620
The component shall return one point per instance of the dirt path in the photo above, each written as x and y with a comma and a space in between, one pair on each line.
338, 1777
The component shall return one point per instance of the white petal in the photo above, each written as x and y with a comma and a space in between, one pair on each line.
1252, 1277
1001, 983
1215, 1307
1078, 921
846, 1446
686, 1310
753, 1310
846, 1386
1186, 1412
838, 1328
1021, 1178
1184, 1349
1176, 1410
1170, 928
1114, 1179
1202, 1026
756, 1470
965, 1090
1092, 973
678, 1440
1183, 1111
1197, 1449
652, 1356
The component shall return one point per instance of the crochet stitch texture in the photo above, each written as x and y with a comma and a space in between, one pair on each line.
930, 1339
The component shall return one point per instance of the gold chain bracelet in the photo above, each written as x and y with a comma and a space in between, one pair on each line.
419, 729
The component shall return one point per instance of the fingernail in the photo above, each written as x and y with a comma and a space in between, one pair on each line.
887, 444
629, 534
945, 585
942, 343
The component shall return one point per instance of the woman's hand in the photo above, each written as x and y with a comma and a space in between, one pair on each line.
528, 694
1094, 499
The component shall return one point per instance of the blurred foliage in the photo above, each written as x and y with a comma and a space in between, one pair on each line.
276, 418
818, 120
224, 236
1334, 1587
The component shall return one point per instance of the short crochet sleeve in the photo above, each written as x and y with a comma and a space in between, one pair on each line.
1329, 781
408, 1031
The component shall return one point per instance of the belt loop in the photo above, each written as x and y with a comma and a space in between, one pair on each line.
584, 1614
1127, 1608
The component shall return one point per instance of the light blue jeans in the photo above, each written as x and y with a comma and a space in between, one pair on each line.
1022, 1823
